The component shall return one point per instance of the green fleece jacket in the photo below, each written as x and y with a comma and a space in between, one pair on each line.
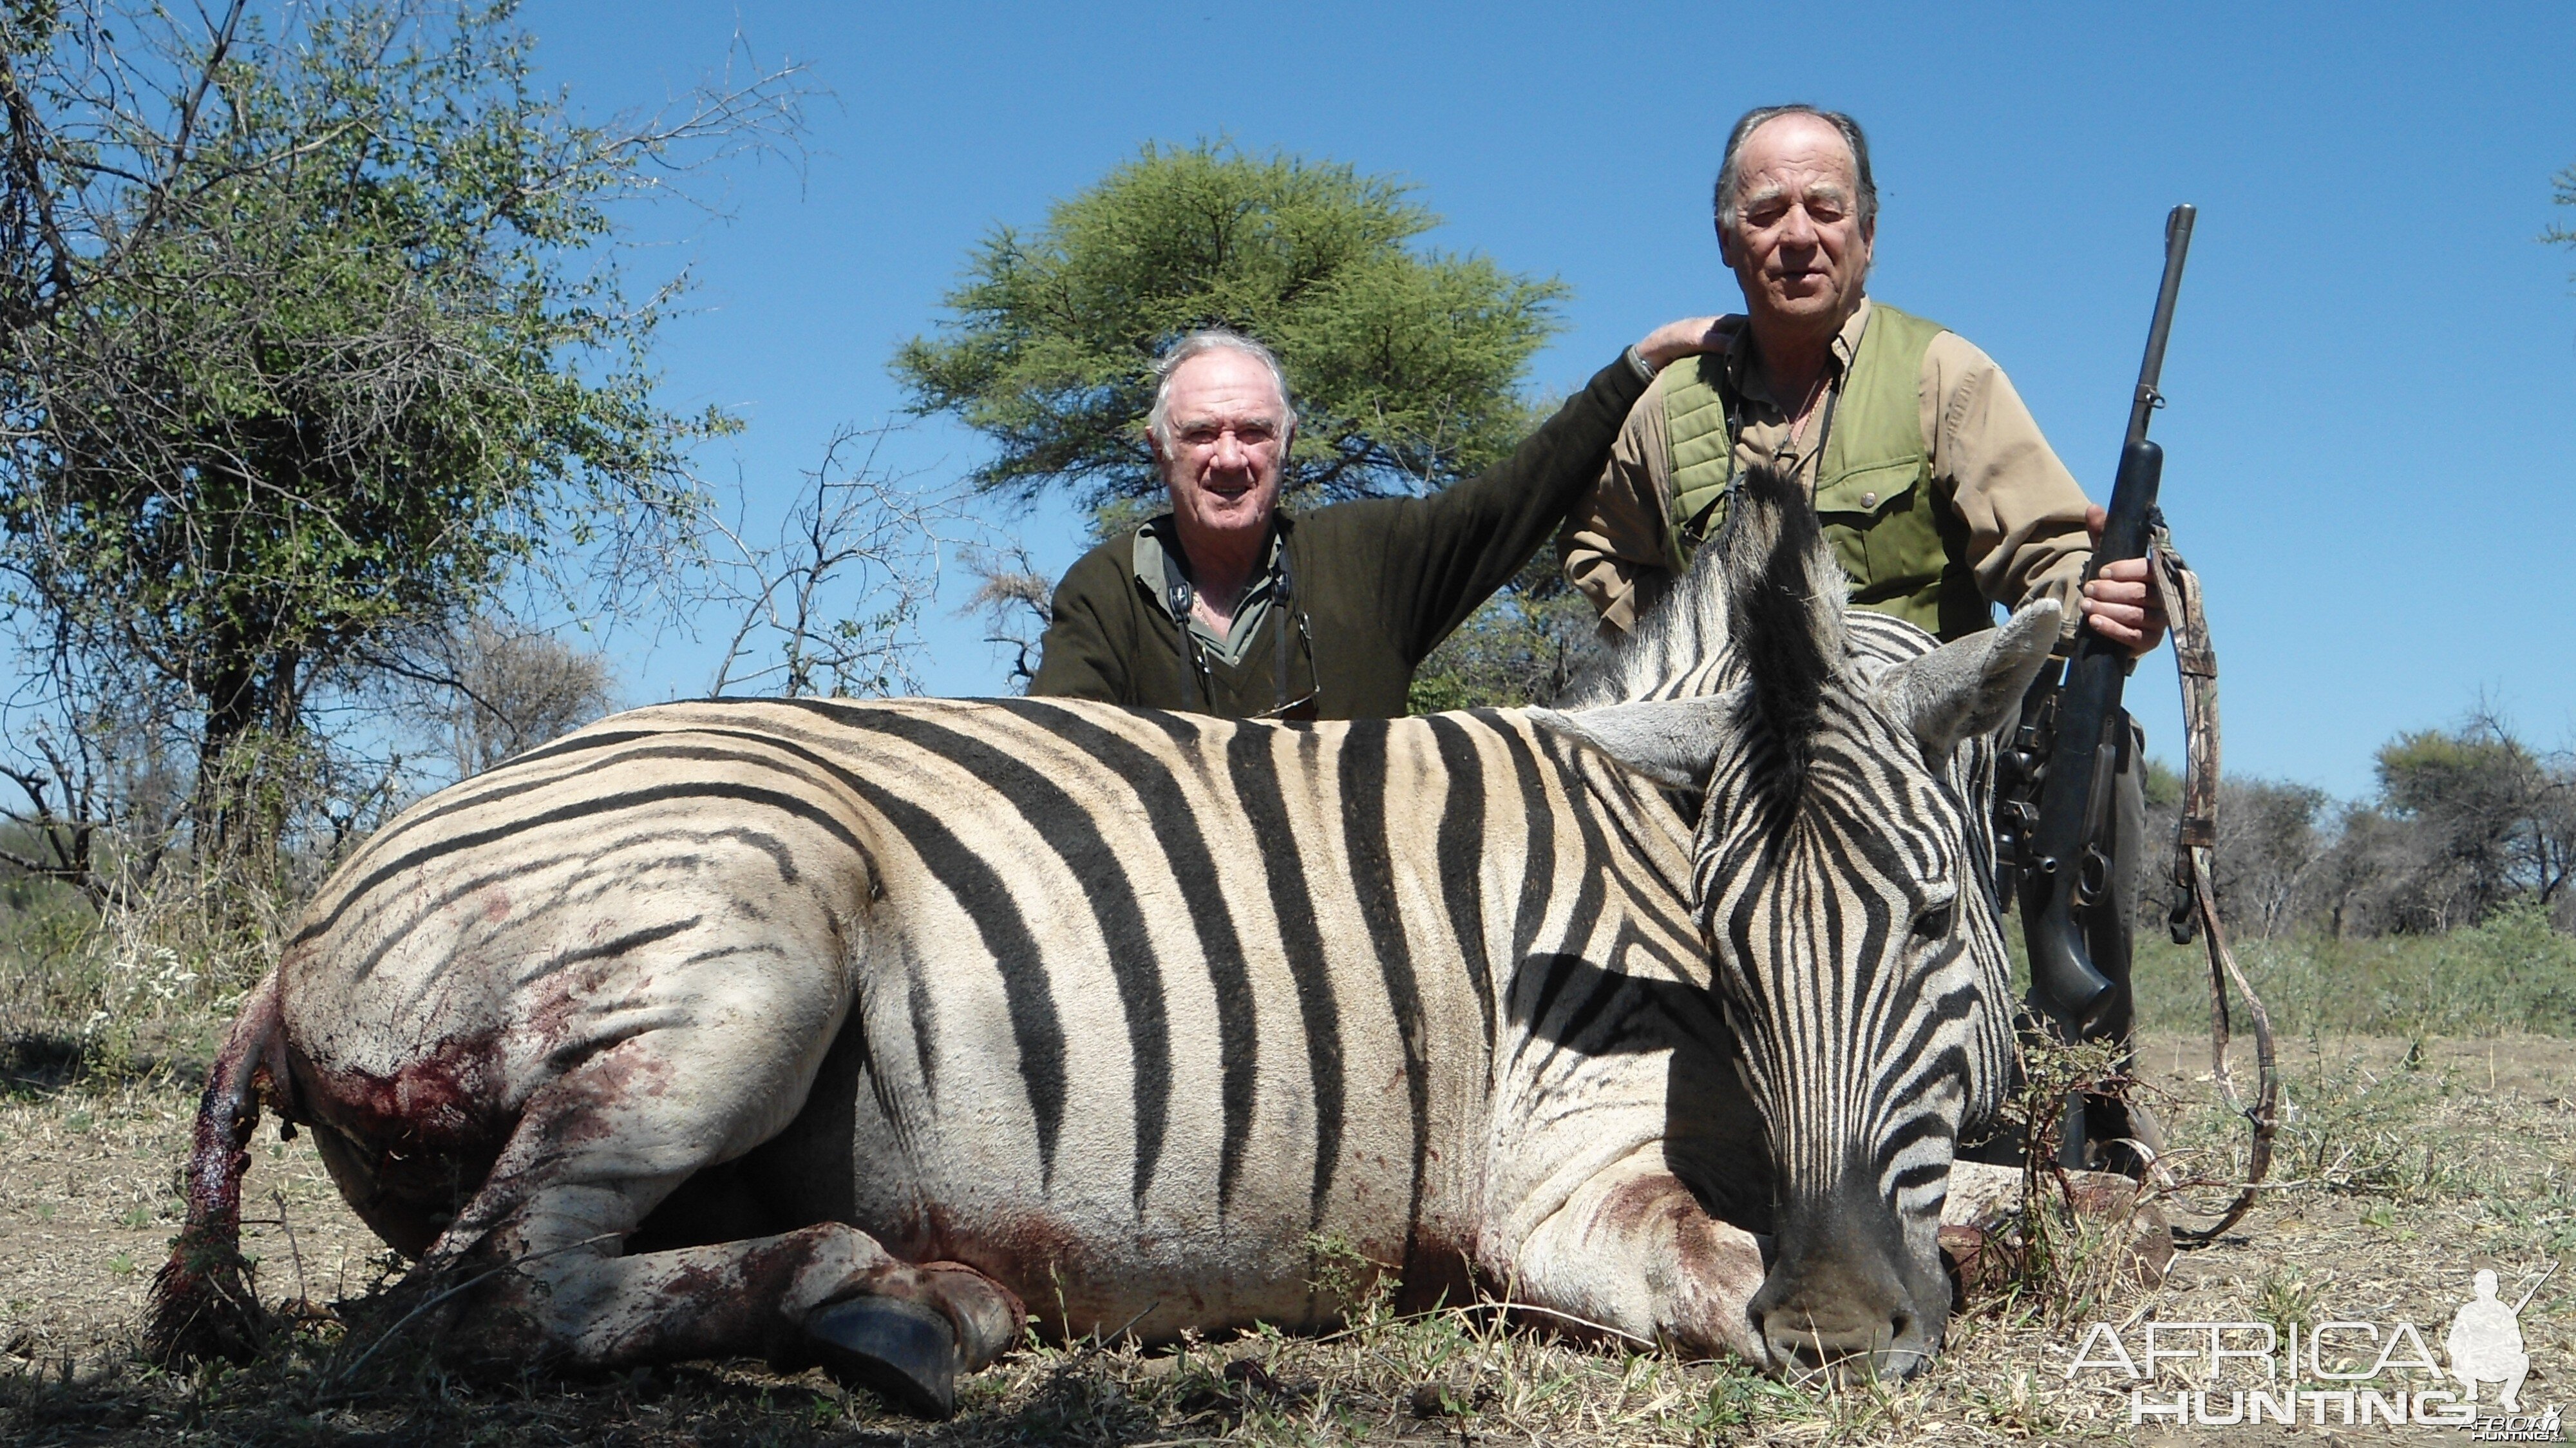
1375, 585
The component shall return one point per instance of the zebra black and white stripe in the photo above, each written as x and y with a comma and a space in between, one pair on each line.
1842, 877
1135, 1013
1822, 848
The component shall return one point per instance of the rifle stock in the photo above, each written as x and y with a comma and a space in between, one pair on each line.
2064, 874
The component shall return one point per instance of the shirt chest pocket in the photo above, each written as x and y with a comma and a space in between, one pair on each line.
1878, 517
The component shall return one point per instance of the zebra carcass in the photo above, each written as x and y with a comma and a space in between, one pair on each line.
838, 1032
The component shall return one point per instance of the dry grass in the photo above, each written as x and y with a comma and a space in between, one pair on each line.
2407, 1166
2411, 1159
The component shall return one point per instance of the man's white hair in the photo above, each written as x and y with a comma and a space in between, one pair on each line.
1725, 199
1158, 420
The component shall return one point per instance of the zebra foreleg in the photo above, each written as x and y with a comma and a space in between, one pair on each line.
596, 1149
1632, 1249
826, 1294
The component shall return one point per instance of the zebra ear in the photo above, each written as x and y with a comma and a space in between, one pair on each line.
1970, 685
1673, 742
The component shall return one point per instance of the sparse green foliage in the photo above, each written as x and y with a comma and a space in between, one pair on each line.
2269, 846
514, 690
2161, 783
2063, 1258
1404, 362
2467, 822
308, 344
857, 534
2496, 820
1522, 647
1343, 1273
2285, 1296
2513, 972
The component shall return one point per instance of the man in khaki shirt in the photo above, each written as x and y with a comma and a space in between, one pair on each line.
1930, 480
1967, 504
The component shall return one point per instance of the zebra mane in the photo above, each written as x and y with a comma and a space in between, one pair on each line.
1762, 606
1784, 610
1671, 652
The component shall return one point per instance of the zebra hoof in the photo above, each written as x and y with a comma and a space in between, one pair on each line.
901, 1351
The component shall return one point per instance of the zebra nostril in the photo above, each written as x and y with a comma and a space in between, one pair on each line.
1799, 1354
1806, 1347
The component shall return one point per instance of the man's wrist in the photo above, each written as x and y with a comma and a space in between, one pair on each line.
1645, 367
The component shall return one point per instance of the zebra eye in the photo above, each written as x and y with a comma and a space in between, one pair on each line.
1934, 923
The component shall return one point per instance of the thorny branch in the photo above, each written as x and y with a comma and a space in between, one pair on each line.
1015, 600
834, 605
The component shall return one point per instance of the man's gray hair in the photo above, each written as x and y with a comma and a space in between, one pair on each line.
1158, 420
1724, 198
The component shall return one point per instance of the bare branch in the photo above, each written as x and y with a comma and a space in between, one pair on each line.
834, 605
1016, 602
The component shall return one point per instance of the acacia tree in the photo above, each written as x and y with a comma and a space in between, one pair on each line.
513, 690
310, 342
1406, 363
2268, 849
2496, 819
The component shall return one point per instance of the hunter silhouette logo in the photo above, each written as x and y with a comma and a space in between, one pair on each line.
2343, 1373
2485, 1342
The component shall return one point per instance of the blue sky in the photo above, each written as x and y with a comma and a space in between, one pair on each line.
2370, 436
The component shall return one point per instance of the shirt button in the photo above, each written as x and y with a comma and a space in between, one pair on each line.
1869, 500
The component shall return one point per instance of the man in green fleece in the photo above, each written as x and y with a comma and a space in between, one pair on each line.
1228, 605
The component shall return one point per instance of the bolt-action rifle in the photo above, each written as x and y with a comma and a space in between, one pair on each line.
2056, 850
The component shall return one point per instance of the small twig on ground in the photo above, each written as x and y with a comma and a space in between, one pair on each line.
303, 1294
1129, 1325
1647, 1343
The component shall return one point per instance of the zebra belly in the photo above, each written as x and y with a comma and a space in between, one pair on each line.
921, 1130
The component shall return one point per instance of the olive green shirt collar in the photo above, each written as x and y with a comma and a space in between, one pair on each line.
1158, 567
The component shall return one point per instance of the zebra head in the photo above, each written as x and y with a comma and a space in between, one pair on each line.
1842, 873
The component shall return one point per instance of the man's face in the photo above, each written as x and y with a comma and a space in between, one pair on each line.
1798, 245
1229, 436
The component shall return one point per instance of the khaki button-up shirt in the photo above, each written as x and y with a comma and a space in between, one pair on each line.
2024, 512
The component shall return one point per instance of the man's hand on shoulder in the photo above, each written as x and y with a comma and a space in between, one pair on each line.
2118, 603
1675, 340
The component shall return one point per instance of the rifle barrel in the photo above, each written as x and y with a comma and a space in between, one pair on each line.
2066, 984
2151, 371
2535, 1289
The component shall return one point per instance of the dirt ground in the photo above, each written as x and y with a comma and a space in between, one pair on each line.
2407, 1166
89, 1200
